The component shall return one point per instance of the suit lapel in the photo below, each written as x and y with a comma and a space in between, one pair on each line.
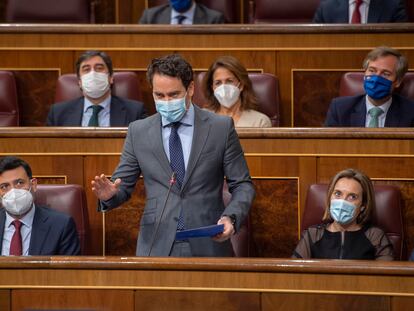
393, 117
343, 11
374, 12
199, 16
118, 113
2, 223
200, 135
76, 113
165, 16
359, 114
155, 136
40, 229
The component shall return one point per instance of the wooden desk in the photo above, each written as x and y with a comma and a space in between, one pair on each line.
133, 283
282, 161
308, 59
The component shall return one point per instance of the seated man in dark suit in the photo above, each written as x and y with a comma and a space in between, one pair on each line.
380, 106
97, 107
26, 229
361, 11
185, 12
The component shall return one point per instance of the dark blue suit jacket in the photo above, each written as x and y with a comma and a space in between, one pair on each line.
53, 233
123, 112
350, 111
162, 15
380, 11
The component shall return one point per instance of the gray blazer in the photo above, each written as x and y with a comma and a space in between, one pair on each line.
162, 15
216, 153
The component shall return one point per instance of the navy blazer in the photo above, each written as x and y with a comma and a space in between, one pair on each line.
162, 15
70, 113
53, 233
350, 111
380, 11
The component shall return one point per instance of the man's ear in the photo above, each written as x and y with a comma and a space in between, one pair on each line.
34, 184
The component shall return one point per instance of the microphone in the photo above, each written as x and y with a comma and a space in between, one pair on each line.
172, 182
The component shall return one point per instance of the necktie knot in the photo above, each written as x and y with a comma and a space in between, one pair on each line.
94, 120
180, 19
375, 112
17, 224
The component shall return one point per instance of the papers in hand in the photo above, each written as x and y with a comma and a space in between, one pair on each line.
199, 232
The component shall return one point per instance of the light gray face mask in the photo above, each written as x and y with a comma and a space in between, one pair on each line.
95, 84
17, 202
227, 95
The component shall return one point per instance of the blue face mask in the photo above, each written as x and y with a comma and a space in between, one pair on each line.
377, 87
181, 5
342, 211
172, 110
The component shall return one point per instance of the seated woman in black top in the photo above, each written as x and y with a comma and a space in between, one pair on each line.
347, 232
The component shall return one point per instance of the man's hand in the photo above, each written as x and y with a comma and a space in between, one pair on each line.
103, 188
228, 229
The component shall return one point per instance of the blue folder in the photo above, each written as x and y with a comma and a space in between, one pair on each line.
199, 232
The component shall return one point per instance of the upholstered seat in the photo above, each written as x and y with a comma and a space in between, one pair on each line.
49, 11
282, 11
229, 8
9, 110
388, 213
265, 86
69, 199
125, 85
352, 83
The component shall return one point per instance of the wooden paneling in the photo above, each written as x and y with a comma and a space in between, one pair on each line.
99, 300
196, 300
282, 161
308, 60
315, 302
5, 300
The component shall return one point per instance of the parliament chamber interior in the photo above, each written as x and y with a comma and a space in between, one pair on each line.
297, 67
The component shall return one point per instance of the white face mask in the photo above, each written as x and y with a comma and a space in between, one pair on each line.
17, 201
227, 95
95, 84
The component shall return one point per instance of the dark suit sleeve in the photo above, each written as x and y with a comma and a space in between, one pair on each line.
218, 19
237, 177
69, 242
318, 17
400, 14
332, 115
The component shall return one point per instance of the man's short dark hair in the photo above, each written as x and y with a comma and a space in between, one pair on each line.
10, 163
89, 54
173, 66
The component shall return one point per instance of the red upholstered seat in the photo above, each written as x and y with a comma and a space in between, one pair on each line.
352, 83
265, 86
229, 8
9, 109
388, 212
282, 11
49, 11
69, 199
125, 85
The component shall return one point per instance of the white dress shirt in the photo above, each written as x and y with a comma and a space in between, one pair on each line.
103, 116
381, 118
189, 16
363, 10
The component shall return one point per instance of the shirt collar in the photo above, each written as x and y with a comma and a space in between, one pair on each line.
385, 106
187, 119
26, 220
363, 1
105, 104
189, 14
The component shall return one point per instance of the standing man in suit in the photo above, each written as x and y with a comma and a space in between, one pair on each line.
360, 12
380, 106
97, 106
26, 229
185, 12
201, 149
